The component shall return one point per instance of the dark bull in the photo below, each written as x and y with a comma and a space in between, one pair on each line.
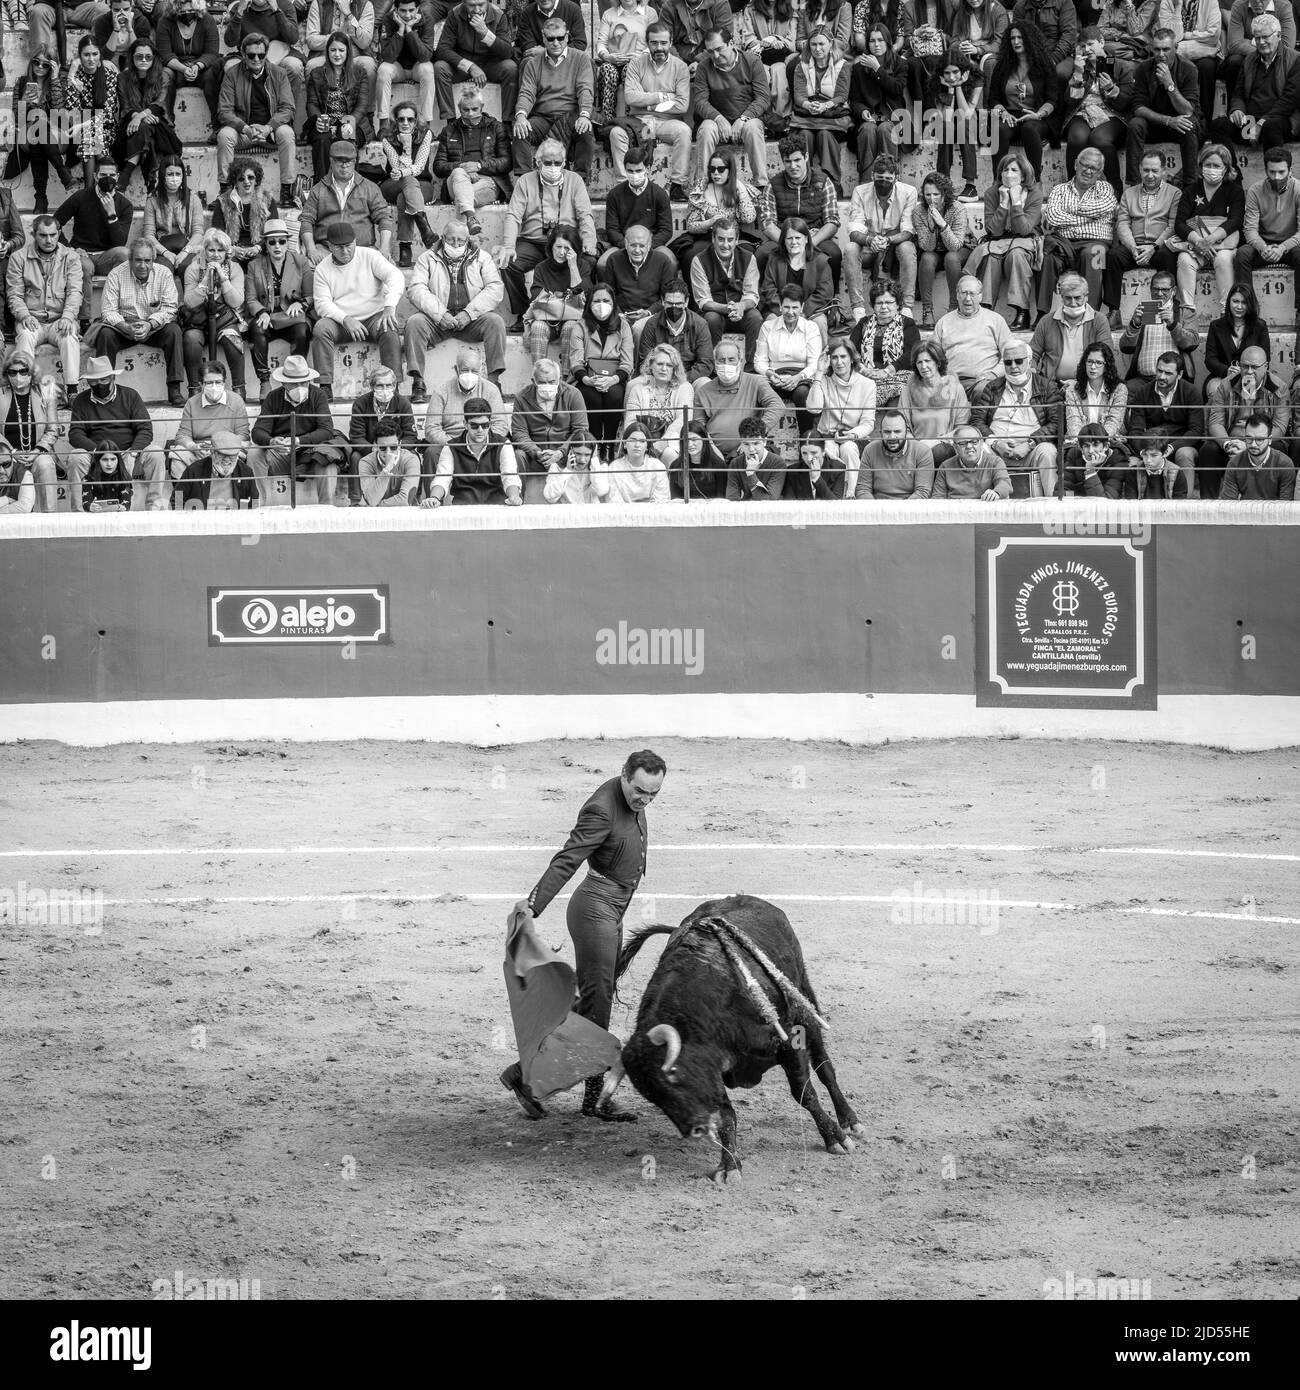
730, 982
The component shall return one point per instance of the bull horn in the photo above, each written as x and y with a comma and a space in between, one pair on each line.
665, 1035
613, 1079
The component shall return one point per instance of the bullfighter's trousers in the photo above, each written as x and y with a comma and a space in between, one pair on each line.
595, 918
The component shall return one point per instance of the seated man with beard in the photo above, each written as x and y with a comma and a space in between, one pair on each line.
895, 467
1017, 416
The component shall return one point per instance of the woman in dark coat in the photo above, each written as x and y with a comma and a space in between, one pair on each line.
338, 98
1240, 327
145, 135
791, 263
41, 90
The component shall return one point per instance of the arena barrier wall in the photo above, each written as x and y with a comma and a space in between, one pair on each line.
852, 621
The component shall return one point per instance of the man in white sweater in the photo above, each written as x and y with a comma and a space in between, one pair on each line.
357, 291
971, 336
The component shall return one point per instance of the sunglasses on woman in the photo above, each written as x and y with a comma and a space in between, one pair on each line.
19, 371
717, 168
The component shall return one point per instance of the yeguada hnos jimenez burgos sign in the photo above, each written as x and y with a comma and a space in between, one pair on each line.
1065, 621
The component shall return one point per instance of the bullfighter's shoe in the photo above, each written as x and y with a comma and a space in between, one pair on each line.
609, 1111
513, 1080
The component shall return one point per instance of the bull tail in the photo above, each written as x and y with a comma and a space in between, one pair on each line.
634, 943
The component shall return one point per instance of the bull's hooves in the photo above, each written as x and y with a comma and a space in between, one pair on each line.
858, 1128
720, 1176
838, 1149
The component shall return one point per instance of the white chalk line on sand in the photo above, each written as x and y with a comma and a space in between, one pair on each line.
448, 897
949, 847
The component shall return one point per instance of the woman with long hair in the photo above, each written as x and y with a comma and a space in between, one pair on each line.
820, 103
1096, 396
91, 93
213, 306
661, 400
145, 135
36, 97
1239, 327
244, 209
796, 261
598, 355
886, 339
1024, 93
338, 98
877, 89
977, 28
1013, 210
835, 15
955, 96
568, 476
408, 152
934, 400
173, 217
870, 15
723, 192
769, 29
846, 399
561, 283
939, 222
636, 475
1209, 221
708, 466
620, 37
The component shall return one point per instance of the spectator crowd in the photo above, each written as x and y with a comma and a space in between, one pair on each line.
783, 343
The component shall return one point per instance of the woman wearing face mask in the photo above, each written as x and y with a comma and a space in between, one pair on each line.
821, 101
723, 193
568, 479
408, 150
939, 222
844, 401
91, 91
41, 90
1024, 93
934, 400
635, 475
213, 301
769, 29
243, 210
1209, 221
886, 340
956, 95
794, 262
338, 99
660, 399
1013, 210
877, 89
173, 218
1241, 326
145, 134
598, 350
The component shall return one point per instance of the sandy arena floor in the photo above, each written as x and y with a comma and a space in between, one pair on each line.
283, 1066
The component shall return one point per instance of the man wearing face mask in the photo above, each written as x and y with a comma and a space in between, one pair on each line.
214, 410
547, 197
1265, 108
636, 202
1017, 415
473, 157
221, 480
546, 412
678, 326
278, 294
376, 414
1063, 336
732, 397
897, 466
101, 227
445, 417
189, 47
109, 415
455, 290
1229, 405
296, 409
881, 240
657, 98
1259, 472
257, 107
